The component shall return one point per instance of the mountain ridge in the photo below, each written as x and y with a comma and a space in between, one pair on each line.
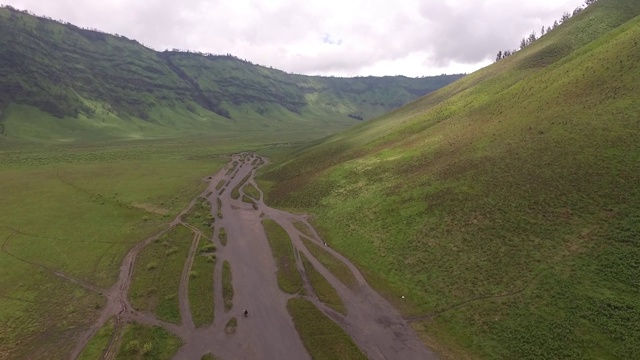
67, 71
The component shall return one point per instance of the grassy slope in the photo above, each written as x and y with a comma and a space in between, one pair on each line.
511, 192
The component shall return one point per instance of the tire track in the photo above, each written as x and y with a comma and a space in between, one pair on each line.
82, 283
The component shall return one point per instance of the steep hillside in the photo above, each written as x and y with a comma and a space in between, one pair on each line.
503, 207
112, 86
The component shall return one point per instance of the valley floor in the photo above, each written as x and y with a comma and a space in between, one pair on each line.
268, 332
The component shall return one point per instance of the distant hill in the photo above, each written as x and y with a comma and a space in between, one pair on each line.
501, 213
68, 72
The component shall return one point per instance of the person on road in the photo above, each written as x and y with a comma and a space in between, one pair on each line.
246, 313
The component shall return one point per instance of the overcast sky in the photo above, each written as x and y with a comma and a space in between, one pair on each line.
325, 37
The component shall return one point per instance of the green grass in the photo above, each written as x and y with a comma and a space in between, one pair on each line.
331, 263
79, 209
231, 326
322, 338
200, 216
209, 357
201, 300
289, 279
222, 235
251, 191
220, 184
235, 192
247, 199
142, 342
98, 344
219, 211
322, 288
505, 202
227, 286
304, 229
156, 277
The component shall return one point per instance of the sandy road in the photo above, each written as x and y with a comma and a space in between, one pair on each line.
268, 333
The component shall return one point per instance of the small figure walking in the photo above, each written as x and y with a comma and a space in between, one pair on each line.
246, 313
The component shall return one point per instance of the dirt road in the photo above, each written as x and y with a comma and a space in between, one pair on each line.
268, 332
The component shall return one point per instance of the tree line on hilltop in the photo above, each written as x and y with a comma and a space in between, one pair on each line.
526, 41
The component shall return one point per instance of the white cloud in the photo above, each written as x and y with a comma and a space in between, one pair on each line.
330, 37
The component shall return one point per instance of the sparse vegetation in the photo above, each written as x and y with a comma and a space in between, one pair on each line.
304, 229
323, 289
289, 279
210, 357
200, 216
251, 190
98, 344
201, 300
337, 267
219, 202
235, 192
220, 184
227, 286
141, 342
323, 338
156, 290
230, 327
222, 235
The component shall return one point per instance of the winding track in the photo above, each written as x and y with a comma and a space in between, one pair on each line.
268, 333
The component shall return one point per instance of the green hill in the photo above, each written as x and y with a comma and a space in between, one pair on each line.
61, 82
505, 206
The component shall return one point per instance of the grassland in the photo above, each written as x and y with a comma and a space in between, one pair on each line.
78, 201
98, 344
201, 300
200, 216
78, 208
503, 206
335, 266
323, 338
210, 357
304, 229
322, 288
141, 342
251, 191
289, 279
227, 286
156, 278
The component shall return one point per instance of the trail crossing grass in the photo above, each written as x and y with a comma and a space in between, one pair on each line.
156, 277
323, 338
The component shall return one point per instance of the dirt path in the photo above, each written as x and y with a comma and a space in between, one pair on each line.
268, 332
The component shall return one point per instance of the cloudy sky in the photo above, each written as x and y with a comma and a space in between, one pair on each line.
326, 37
